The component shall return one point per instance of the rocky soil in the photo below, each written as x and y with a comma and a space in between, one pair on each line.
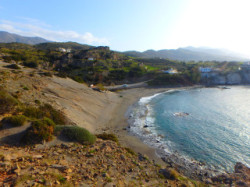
103, 164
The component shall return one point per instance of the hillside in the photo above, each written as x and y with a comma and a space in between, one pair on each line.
189, 54
82, 63
6, 37
31, 93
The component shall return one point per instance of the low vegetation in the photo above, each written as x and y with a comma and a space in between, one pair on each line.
13, 66
15, 121
40, 130
45, 110
75, 133
7, 102
105, 136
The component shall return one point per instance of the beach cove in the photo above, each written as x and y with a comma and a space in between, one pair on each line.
137, 142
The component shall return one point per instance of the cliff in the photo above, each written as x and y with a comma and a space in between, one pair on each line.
229, 78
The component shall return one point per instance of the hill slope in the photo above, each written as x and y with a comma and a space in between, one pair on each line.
6, 37
189, 54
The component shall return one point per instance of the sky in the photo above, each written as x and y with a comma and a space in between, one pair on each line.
133, 24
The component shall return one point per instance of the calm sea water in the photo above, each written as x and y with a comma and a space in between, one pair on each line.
216, 130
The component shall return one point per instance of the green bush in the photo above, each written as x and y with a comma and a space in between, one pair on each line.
78, 79
33, 112
16, 121
7, 102
38, 102
45, 110
40, 130
171, 174
57, 116
48, 74
25, 88
75, 133
31, 64
105, 136
130, 151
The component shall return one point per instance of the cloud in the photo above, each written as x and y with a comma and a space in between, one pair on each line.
33, 27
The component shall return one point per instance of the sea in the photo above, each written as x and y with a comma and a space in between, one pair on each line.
206, 126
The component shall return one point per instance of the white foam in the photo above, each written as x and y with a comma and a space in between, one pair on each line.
145, 100
142, 124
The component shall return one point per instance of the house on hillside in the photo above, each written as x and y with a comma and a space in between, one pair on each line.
64, 50
170, 71
91, 59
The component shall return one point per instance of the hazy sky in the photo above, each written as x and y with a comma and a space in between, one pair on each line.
133, 24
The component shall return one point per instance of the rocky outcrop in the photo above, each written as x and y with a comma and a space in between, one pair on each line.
233, 78
240, 177
230, 78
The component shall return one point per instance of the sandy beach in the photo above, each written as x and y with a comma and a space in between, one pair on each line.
118, 121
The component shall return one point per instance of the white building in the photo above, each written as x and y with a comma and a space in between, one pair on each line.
64, 50
90, 58
205, 70
170, 71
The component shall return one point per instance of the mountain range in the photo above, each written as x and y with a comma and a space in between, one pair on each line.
190, 54
180, 54
6, 37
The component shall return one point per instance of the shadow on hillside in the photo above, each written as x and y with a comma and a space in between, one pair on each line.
12, 135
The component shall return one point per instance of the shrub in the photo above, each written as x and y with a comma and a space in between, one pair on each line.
130, 151
100, 86
45, 110
173, 174
33, 112
57, 116
16, 121
37, 102
31, 64
75, 133
105, 136
13, 66
48, 74
62, 74
7, 102
169, 173
25, 88
40, 130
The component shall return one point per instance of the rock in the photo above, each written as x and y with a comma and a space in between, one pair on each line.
208, 181
105, 175
37, 156
240, 168
122, 157
241, 183
7, 157
57, 182
84, 185
59, 167
68, 170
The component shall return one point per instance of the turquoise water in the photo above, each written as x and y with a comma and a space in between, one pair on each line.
216, 130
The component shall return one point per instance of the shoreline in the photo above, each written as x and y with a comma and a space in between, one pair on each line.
119, 123
119, 120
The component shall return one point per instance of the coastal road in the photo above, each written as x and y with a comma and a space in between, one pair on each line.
127, 86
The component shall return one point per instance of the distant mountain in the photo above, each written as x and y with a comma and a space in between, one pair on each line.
189, 54
6, 37
66, 45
